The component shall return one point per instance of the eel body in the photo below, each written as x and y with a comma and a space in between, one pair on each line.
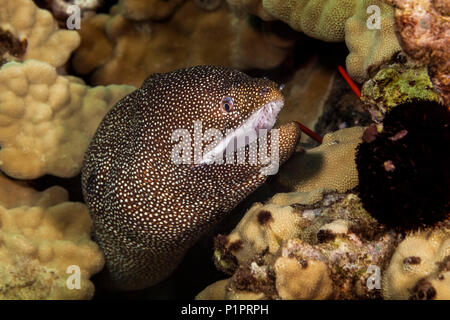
147, 207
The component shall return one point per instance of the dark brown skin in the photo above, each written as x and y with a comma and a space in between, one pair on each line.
147, 210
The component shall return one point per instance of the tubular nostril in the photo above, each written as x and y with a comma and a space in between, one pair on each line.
264, 90
282, 87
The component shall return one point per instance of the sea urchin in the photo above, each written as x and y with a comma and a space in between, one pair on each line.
404, 169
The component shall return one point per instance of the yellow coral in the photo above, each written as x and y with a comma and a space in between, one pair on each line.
320, 19
48, 120
215, 291
423, 257
264, 227
42, 234
45, 41
330, 165
301, 277
369, 48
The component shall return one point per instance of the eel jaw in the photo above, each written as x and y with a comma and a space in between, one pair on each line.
263, 118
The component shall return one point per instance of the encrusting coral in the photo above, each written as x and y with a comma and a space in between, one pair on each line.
395, 84
312, 245
263, 227
47, 120
252, 35
23, 21
302, 273
44, 243
420, 267
330, 165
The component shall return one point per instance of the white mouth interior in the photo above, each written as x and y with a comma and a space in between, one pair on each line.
263, 118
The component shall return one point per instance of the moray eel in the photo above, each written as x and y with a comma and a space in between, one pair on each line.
148, 210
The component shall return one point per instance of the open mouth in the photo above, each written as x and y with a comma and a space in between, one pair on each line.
265, 117
248, 132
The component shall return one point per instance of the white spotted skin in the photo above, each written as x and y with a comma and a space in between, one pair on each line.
147, 211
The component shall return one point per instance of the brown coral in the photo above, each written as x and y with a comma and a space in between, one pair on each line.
306, 94
11, 47
133, 51
117, 50
148, 9
251, 6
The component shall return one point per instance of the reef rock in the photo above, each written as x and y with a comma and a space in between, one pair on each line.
423, 28
395, 84
315, 245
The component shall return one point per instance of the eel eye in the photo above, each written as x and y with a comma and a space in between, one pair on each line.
226, 104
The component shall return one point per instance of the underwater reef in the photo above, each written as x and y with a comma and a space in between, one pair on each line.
92, 205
